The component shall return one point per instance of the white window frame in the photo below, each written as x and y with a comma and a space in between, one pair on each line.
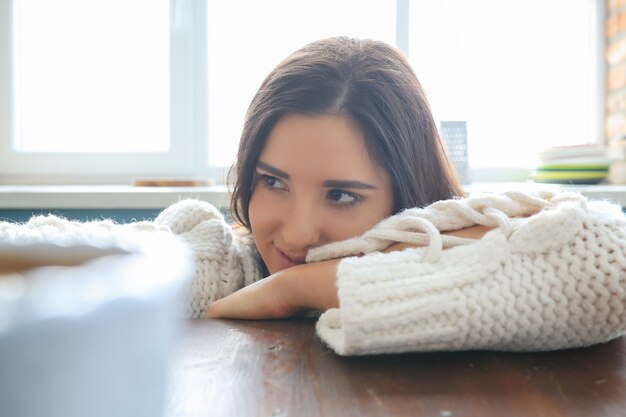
185, 158
188, 154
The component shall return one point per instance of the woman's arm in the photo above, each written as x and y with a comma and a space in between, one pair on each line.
223, 264
307, 286
555, 280
283, 294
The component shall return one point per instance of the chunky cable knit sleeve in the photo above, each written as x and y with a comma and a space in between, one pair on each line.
224, 263
58, 230
550, 275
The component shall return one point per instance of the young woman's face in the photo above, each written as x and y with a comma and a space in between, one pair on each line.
315, 184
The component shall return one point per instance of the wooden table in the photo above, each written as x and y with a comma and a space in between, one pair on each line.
280, 368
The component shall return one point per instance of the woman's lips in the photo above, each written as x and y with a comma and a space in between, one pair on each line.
286, 261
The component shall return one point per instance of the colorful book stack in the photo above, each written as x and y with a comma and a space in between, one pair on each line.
576, 164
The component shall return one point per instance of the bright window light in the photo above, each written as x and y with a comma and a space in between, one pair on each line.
520, 73
91, 76
160, 87
248, 38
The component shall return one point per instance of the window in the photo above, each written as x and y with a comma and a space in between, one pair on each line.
259, 38
96, 90
522, 75
110, 90
83, 70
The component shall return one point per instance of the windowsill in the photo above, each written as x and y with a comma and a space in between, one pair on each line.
613, 193
129, 197
104, 196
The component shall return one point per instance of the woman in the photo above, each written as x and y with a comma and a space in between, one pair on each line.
343, 112
347, 204
338, 138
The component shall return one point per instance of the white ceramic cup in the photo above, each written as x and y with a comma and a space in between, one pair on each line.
88, 330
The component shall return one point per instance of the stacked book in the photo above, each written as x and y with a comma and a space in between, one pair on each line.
576, 164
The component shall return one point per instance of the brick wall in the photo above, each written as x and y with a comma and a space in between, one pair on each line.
615, 127
616, 70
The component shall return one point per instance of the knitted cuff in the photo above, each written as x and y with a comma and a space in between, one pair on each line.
395, 302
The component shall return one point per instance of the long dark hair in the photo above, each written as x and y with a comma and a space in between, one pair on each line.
373, 84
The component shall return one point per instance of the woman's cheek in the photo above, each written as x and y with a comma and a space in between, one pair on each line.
342, 223
355, 221
263, 211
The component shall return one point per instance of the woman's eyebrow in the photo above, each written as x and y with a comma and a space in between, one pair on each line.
328, 183
272, 170
348, 184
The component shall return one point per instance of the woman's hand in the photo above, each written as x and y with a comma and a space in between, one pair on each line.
283, 294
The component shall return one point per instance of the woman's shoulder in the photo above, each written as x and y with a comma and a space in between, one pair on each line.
184, 215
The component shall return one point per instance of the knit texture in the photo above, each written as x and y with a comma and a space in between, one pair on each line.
550, 275
223, 263
53, 229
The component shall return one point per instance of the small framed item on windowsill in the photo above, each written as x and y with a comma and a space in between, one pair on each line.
454, 136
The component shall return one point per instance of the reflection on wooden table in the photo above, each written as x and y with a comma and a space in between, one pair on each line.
279, 368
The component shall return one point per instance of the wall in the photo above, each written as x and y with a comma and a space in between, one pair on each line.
616, 70
615, 102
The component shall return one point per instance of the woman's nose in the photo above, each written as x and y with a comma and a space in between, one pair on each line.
301, 230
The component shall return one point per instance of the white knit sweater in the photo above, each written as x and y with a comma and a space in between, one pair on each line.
550, 275
224, 263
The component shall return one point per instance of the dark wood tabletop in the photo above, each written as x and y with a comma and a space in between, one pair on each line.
280, 368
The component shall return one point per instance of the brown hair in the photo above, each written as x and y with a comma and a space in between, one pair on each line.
373, 84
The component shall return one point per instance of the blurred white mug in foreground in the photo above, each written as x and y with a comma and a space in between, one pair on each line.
88, 329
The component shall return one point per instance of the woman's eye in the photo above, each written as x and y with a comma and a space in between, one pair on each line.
343, 197
272, 182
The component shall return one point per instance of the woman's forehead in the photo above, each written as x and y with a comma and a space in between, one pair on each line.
320, 145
